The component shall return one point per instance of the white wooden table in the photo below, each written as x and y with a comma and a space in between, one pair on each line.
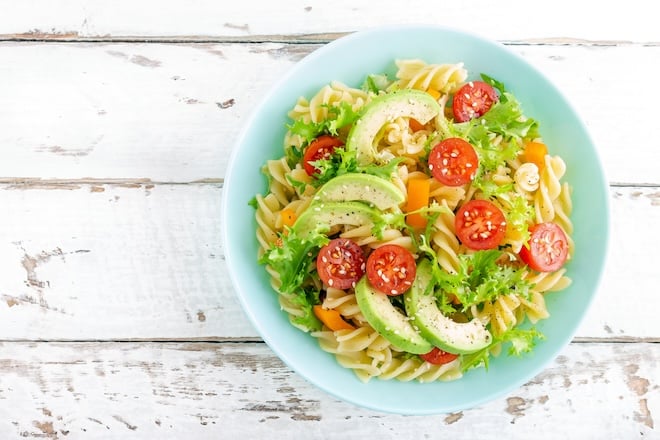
117, 317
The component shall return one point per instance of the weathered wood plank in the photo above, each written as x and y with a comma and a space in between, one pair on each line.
172, 112
137, 259
40, 19
141, 261
200, 390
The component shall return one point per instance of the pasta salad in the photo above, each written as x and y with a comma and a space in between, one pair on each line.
414, 224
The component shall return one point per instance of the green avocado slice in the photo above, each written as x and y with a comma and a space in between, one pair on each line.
320, 217
441, 331
403, 103
388, 320
373, 190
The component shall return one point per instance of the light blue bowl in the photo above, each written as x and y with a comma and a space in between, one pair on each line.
348, 60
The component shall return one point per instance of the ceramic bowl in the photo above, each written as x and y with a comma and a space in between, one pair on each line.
348, 60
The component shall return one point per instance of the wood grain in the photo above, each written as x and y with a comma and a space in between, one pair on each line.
117, 317
172, 112
207, 19
201, 390
150, 258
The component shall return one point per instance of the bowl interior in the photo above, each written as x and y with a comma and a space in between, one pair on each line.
349, 60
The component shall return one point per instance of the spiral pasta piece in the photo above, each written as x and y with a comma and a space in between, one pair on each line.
445, 243
549, 188
266, 216
526, 179
417, 74
333, 94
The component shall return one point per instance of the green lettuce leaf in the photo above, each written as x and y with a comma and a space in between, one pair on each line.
295, 261
481, 278
339, 116
306, 299
522, 340
375, 83
344, 161
519, 214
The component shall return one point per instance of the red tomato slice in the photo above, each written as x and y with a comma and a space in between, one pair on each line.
438, 357
320, 148
473, 100
453, 162
340, 263
480, 225
391, 269
547, 248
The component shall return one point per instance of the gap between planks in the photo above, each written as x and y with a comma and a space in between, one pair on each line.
253, 340
39, 183
320, 38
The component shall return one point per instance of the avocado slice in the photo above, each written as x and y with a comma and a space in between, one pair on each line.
388, 320
441, 331
320, 217
374, 190
403, 103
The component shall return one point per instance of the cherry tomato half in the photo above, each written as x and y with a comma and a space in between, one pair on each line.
453, 162
340, 263
320, 148
547, 248
438, 357
391, 269
480, 225
473, 100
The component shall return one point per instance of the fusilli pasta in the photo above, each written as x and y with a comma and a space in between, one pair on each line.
528, 193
